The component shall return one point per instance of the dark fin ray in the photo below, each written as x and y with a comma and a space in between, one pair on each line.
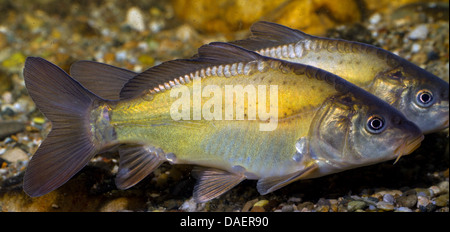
137, 162
209, 55
267, 34
211, 183
68, 147
270, 184
102, 79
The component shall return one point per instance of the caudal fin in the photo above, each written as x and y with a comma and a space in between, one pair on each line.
69, 146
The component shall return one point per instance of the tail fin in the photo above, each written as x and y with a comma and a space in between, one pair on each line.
70, 145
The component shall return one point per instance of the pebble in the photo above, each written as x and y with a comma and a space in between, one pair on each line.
135, 19
422, 202
408, 201
380, 194
8, 128
442, 200
425, 192
420, 32
305, 206
415, 48
15, 155
386, 206
356, 205
375, 18
261, 203
287, 208
248, 205
444, 186
388, 198
189, 205
403, 209
258, 209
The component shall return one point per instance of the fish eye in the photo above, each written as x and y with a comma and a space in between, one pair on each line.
424, 98
375, 124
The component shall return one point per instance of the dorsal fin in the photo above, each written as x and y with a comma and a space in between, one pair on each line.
267, 34
102, 79
168, 73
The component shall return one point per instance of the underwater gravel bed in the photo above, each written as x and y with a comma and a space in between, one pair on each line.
419, 182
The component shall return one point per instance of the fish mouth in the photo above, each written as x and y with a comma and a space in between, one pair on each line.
408, 146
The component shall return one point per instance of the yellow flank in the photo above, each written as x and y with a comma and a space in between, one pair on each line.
225, 143
357, 65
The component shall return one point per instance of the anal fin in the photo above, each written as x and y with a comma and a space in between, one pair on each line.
211, 183
137, 162
270, 184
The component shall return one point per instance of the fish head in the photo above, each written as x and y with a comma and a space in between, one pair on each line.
425, 100
358, 129
421, 96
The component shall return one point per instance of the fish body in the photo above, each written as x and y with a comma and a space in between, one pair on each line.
288, 121
421, 96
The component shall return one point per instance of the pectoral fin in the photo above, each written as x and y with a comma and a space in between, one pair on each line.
212, 183
270, 184
137, 162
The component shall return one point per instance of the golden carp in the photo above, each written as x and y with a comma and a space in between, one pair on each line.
421, 96
236, 114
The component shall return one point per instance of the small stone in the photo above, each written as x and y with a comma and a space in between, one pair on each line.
334, 205
287, 208
171, 204
38, 120
372, 208
305, 206
415, 48
408, 201
323, 205
3, 40
424, 192
435, 189
442, 200
444, 186
15, 155
8, 128
261, 203
419, 33
375, 18
135, 19
422, 202
356, 205
115, 205
388, 198
403, 209
121, 56
248, 205
383, 205
16, 60
189, 206
258, 209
